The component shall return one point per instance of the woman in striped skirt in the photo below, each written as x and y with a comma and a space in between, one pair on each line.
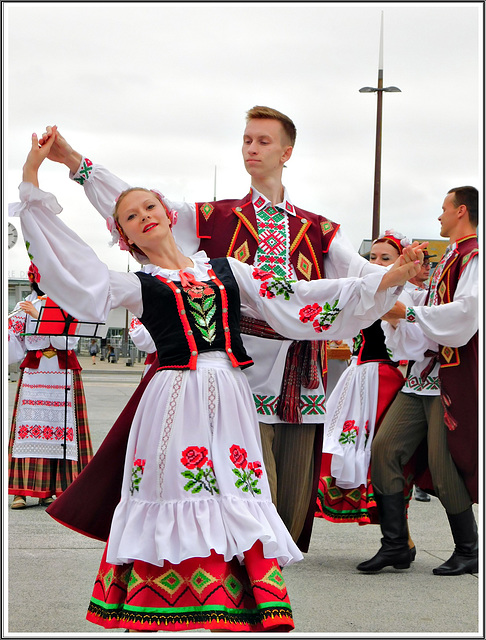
41, 428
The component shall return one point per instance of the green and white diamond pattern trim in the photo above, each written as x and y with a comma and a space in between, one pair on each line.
410, 315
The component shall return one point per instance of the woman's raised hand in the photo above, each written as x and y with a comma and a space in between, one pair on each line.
35, 158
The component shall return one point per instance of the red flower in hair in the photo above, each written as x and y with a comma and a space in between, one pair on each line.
33, 273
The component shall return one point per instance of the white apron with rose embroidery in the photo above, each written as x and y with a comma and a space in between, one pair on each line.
192, 479
187, 477
350, 422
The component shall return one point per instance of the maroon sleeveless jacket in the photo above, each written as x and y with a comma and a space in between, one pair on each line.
458, 376
229, 228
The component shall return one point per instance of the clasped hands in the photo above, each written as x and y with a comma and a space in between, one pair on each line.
406, 266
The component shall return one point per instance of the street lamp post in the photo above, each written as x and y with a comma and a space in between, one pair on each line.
379, 117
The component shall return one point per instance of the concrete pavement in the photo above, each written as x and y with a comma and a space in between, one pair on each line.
49, 570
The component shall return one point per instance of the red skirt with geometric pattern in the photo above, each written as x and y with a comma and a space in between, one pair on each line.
206, 593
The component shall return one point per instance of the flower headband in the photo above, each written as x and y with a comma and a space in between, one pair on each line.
33, 274
398, 240
118, 235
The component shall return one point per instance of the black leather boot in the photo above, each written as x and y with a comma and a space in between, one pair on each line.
394, 550
465, 557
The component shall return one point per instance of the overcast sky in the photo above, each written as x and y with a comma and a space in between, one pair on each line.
158, 92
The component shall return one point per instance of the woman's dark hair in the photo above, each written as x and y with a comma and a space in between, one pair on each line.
37, 289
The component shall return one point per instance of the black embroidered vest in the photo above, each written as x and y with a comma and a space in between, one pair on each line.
185, 323
369, 345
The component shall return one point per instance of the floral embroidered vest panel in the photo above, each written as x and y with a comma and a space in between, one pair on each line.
186, 322
229, 228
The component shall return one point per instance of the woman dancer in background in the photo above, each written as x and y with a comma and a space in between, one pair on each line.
35, 450
355, 410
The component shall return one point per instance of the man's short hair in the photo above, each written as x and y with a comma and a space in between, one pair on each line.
467, 196
273, 114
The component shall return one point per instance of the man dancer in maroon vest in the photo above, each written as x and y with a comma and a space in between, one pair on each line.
266, 229
448, 421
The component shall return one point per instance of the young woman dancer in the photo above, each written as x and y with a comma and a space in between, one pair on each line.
195, 540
